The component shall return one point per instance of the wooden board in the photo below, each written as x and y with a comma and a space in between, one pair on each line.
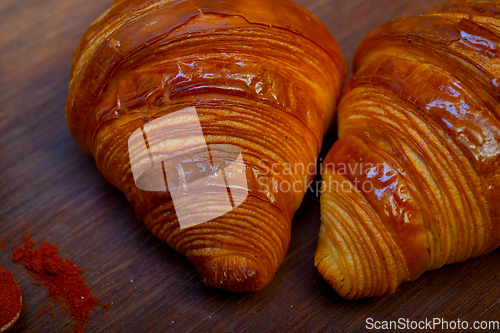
50, 186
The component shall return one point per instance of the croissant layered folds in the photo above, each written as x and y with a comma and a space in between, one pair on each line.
264, 76
413, 183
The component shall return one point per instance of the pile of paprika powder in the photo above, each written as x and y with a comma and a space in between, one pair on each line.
10, 300
62, 278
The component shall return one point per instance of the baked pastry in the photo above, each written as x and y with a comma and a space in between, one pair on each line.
261, 76
413, 182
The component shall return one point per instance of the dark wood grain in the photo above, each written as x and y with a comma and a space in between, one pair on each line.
50, 186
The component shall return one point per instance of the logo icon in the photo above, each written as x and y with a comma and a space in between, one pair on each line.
205, 180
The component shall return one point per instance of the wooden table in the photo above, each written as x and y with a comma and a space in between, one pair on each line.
50, 186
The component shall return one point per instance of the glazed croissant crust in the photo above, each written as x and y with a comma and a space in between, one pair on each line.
413, 183
264, 76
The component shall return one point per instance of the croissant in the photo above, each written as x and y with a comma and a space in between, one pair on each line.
161, 90
413, 182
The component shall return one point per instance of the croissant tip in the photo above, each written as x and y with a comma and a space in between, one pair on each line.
334, 277
235, 273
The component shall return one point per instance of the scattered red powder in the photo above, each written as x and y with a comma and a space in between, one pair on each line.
2, 246
44, 310
62, 278
106, 305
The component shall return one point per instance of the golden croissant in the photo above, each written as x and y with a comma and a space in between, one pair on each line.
262, 76
413, 183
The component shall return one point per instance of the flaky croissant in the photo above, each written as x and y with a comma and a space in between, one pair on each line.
413, 183
264, 76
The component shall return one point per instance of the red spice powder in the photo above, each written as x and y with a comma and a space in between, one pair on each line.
2, 246
62, 278
10, 297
